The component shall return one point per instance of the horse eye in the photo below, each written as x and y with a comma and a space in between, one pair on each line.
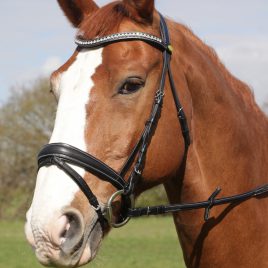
131, 86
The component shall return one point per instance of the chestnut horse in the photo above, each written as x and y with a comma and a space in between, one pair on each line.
105, 97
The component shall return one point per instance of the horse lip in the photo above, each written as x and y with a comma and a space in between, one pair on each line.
45, 257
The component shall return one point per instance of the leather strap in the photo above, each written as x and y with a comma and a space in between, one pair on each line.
82, 159
207, 205
82, 185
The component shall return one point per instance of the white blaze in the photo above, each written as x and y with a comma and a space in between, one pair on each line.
54, 189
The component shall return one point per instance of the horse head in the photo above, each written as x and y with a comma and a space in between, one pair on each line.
105, 97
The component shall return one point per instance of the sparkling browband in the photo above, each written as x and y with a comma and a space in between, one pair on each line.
124, 36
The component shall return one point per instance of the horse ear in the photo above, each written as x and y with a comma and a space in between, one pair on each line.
77, 10
141, 10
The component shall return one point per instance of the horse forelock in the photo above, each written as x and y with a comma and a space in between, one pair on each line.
104, 21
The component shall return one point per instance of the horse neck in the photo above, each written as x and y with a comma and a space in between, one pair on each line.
229, 132
229, 149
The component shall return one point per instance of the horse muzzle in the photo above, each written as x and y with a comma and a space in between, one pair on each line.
65, 241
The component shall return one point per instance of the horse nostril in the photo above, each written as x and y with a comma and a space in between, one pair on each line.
63, 233
72, 226
72, 234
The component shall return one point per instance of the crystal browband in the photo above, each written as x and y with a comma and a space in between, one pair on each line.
124, 36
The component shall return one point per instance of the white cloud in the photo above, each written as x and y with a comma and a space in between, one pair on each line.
26, 76
50, 65
247, 58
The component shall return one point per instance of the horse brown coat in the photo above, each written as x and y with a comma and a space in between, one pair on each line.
228, 131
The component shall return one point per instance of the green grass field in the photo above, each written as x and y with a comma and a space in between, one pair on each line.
147, 242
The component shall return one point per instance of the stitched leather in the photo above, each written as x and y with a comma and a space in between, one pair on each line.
82, 159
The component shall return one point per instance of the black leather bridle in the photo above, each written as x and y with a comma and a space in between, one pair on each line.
63, 155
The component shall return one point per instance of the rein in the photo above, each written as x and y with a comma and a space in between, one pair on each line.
64, 155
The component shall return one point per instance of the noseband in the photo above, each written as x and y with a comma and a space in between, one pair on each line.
63, 155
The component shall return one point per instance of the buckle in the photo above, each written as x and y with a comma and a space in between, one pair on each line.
159, 96
137, 171
170, 48
109, 210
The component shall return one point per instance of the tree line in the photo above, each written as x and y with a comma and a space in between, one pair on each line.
26, 121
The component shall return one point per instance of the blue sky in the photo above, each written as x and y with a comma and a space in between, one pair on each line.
36, 38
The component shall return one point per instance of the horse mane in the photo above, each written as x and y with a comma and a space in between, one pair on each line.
241, 88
